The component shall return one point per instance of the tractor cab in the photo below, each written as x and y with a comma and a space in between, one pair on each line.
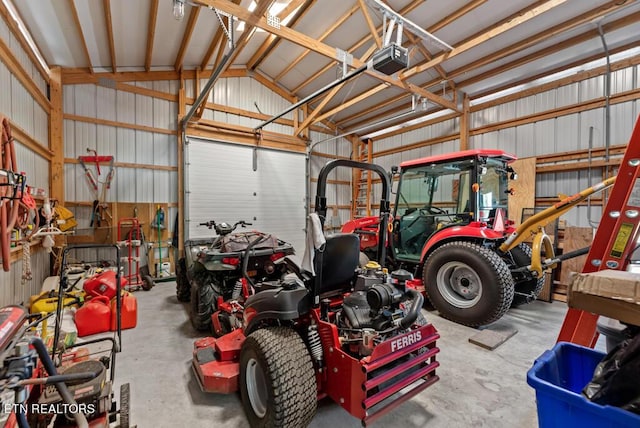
445, 191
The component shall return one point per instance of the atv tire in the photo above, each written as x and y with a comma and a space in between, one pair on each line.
203, 303
277, 379
468, 284
530, 288
183, 290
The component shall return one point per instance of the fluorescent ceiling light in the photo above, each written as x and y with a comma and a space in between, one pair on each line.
25, 33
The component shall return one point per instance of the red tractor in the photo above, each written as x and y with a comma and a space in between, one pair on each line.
449, 222
352, 334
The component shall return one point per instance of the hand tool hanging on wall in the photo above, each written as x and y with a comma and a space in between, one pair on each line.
99, 211
11, 191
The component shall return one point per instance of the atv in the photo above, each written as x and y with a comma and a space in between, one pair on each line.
210, 272
356, 335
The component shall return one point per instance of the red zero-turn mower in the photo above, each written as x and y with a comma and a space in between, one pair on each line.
356, 336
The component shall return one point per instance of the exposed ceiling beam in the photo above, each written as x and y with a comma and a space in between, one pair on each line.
323, 36
411, 6
151, 34
526, 15
215, 41
251, 19
191, 23
112, 48
370, 24
76, 21
509, 50
270, 43
313, 116
319, 47
468, 7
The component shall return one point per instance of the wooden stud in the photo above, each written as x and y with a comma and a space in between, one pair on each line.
180, 160
320, 38
370, 24
14, 66
75, 161
272, 40
526, 15
186, 37
76, 21
13, 26
29, 142
319, 47
109, 25
56, 137
118, 124
151, 34
464, 124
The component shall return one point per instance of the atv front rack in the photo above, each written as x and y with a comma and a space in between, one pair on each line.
397, 364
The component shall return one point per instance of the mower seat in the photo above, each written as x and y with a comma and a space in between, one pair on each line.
339, 261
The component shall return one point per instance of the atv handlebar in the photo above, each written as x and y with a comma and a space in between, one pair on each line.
212, 224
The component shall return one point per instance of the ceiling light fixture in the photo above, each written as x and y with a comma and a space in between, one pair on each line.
178, 9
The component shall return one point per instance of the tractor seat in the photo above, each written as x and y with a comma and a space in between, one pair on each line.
339, 261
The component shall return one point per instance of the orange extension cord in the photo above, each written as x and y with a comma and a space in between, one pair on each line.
9, 207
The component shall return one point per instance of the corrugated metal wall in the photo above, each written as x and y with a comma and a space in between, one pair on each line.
126, 145
17, 104
559, 134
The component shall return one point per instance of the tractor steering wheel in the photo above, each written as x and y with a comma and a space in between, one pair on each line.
433, 210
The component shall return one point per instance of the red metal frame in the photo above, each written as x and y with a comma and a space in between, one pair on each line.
459, 155
615, 239
132, 257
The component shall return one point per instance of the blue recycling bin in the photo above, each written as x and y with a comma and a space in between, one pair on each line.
558, 376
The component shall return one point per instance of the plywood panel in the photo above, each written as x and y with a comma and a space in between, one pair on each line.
574, 239
524, 188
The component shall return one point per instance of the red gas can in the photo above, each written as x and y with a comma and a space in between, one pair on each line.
94, 317
129, 312
103, 284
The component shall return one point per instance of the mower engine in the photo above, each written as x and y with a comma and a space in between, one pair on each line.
381, 307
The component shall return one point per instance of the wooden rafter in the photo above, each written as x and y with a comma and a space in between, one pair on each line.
251, 19
270, 43
191, 24
112, 48
526, 15
314, 115
370, 24
509, 50
411, 6
151, 33
530, 13
323, 36
215, 43
321, 48
83, 42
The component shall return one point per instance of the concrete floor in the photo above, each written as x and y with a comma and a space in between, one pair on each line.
477, 387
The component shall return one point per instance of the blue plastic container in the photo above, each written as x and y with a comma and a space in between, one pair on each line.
558, 376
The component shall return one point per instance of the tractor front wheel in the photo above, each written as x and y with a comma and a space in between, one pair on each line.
203, 303
277, 379
468, 284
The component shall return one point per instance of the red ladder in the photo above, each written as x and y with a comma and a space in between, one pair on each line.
615, 239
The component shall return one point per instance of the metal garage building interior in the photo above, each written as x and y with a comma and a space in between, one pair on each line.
193, 100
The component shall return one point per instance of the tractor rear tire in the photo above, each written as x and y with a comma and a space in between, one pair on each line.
277, 379
468, 284
183, 290
203, 303
530, 288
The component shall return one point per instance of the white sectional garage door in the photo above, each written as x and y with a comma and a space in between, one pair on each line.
221, 185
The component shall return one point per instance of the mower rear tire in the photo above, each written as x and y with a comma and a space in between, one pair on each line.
125, 405
203, 303
468, 283
277, 379
526, 290
183, 289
